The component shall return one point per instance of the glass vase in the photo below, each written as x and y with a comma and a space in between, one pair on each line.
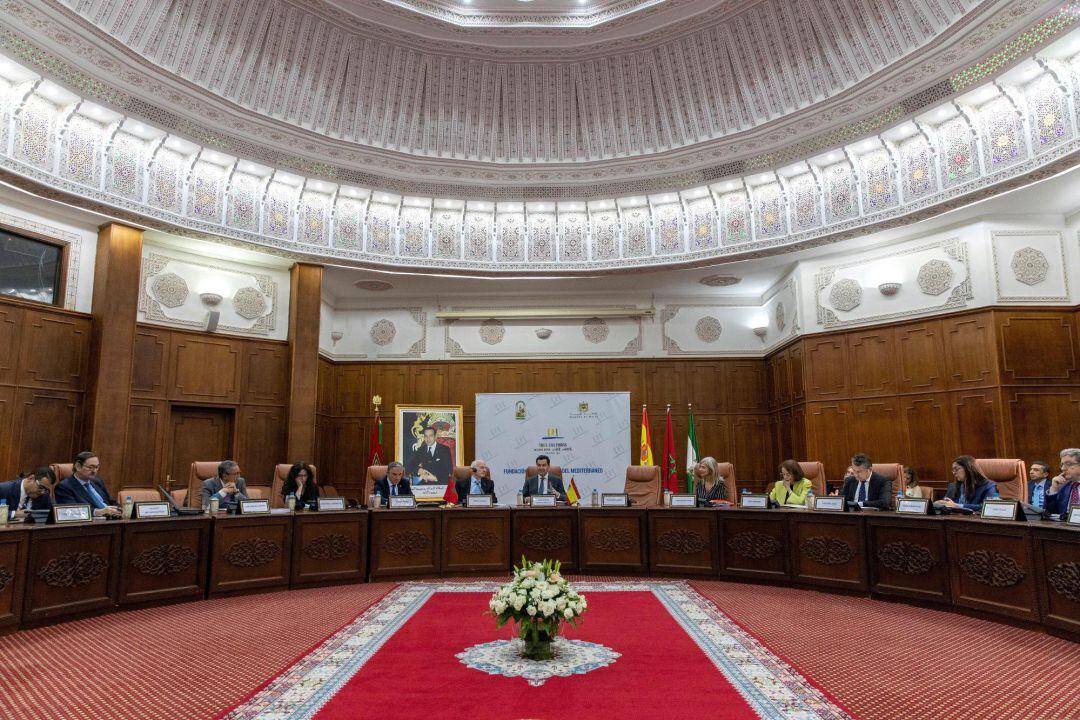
537, 644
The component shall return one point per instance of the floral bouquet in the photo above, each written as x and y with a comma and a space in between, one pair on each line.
539, 599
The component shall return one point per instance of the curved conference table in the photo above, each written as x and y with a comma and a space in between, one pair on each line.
1020, 572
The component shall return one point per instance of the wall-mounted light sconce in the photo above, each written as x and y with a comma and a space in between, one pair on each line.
336, 335
889, 289
543, 333
761, 332
210, 299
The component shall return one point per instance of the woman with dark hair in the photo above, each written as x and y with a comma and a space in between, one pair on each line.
969, 487
300, 482
792, 487
912, 488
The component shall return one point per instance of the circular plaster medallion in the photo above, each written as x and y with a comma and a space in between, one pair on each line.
169, 289
846, 294
708, 329
503, 657
249, 303
492, 331
720, 280
1030, 266
383, 332
935, 277
595, 330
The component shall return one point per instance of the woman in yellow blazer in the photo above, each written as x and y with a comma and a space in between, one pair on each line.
792, 487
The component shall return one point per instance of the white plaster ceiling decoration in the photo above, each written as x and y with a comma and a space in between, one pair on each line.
522, 14
935, 277
383, 332
846, 294
373, 285
1029, 265
720, 280
781, 320
169, 289
250, 303
708, 329
595, 330
492, 331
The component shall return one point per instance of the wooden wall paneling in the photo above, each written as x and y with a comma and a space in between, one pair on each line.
928, 431
301, 386
198, 434
785, 433
752, 449
326, 450
665, 383
509, 377
922, 357
9, 432
781, 375
795, 365
798, 431
772, 399
150, 362
266, 373
12, 320
205, 369
55, 350
261, 443
465, 381
587, 376
630, 377
714, 433
427, 385
877, 431
970, 358
550, 377
704, 382
743, 386
873, 362
826, 367
326, 389
828, 428
48, 427
143, 462
389, 381
352, 449
353, 390
978, 422
1037, 348
1041, 422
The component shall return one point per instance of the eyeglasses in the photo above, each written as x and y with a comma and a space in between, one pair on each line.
1068, 463
91, 468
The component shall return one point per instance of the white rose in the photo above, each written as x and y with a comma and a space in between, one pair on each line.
518, 602
548, 608
531, 610
568, 614
560, 604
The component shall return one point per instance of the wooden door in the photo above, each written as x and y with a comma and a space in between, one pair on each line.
196, 434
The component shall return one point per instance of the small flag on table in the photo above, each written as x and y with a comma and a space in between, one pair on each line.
450, 495
646, 439
572, 494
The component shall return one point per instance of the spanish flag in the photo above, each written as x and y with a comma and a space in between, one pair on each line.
572, 494
646, 441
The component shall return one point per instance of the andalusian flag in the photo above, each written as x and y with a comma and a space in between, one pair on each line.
671, 469
646, 440
691, 451
572, 494
376, 441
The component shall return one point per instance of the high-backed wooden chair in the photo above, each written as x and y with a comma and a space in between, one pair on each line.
62, 471
200, 470
643, 485
814, 471
893, 472
281, 472
138, 494
1009, 474
727, 472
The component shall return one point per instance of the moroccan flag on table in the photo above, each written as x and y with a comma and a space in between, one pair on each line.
376, 442
572, 494
451, 495
646, 439
691, 451
671, 471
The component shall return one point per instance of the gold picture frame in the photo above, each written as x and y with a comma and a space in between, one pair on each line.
429, 472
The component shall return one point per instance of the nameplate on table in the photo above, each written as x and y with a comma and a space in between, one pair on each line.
684, 500
1000, 510
475, 501
402, 502
147, 510
254, 507
1073, 518
542, 500
913, 506
72, 514
614, 500
752, 501
330, 503
828, 503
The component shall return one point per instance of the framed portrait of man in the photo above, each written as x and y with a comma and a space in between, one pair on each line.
428, 442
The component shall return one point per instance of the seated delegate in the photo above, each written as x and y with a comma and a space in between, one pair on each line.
792, 487
28, 493
228, 486
84, 487
708, 485
866, 488
393, 484
969, 488
1039, 484
480, 483
542, 483
300, 482
1064, 491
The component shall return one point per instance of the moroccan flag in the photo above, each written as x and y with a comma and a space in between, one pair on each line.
671, 471
646, 440
376, 441
572, 494
450, 495
691, 451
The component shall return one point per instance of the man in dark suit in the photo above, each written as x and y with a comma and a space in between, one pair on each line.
393, 484
431, 462
1039, 483
228, 485
479, 484
28, 493
84, 487
543, 484
865, 487
1065, 489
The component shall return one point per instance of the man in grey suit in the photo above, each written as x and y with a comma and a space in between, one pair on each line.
543, 484
228, 485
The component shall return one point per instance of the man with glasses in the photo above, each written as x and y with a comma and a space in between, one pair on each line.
1065, 489
28, 493
864, 487
84, 487
228, 485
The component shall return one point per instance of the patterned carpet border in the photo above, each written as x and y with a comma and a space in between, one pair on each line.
772, 687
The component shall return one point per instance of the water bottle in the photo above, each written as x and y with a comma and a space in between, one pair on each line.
3, 512
373, 500
810, 498
667, 497
290, 502
520, 498
129, 505
215, 503
595, 501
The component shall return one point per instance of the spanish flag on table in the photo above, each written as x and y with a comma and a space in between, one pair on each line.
572, 494
646, 441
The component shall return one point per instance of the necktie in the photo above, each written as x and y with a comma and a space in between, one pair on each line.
476, 490
1074, 499
393, 489
94, 497
862, 491
543, 484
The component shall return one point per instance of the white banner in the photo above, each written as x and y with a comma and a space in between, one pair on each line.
586, 434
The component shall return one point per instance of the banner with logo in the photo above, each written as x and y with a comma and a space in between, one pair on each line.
586, 434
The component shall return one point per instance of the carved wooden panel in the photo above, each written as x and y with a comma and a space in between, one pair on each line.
428, 385
55, 350
329, 548
549, 377
466, 380
714, 436
969, 350
827, 428
14, 544
9, 432
164, 560
266, 373
476, 541
197, 434
683, 542
205, 369
770, 383
704, 382
612, 540
260, 442
927, 426
250, 552
71, 571
352, 386
798, 384
922, 357
326, 451
1041, 421
12, 319
1037, 348
977, 421
349, 468
406, 542
587, 377
992, 569
826, 360
908, 557
150, 361
47, 427
798, 435
144, 445
875, 430
1057, 562
753, 544
540, 533
325, 388
828, 550
629, 377
389, 381
873, 362
752, 449
781, 376
785, 434
743, 386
